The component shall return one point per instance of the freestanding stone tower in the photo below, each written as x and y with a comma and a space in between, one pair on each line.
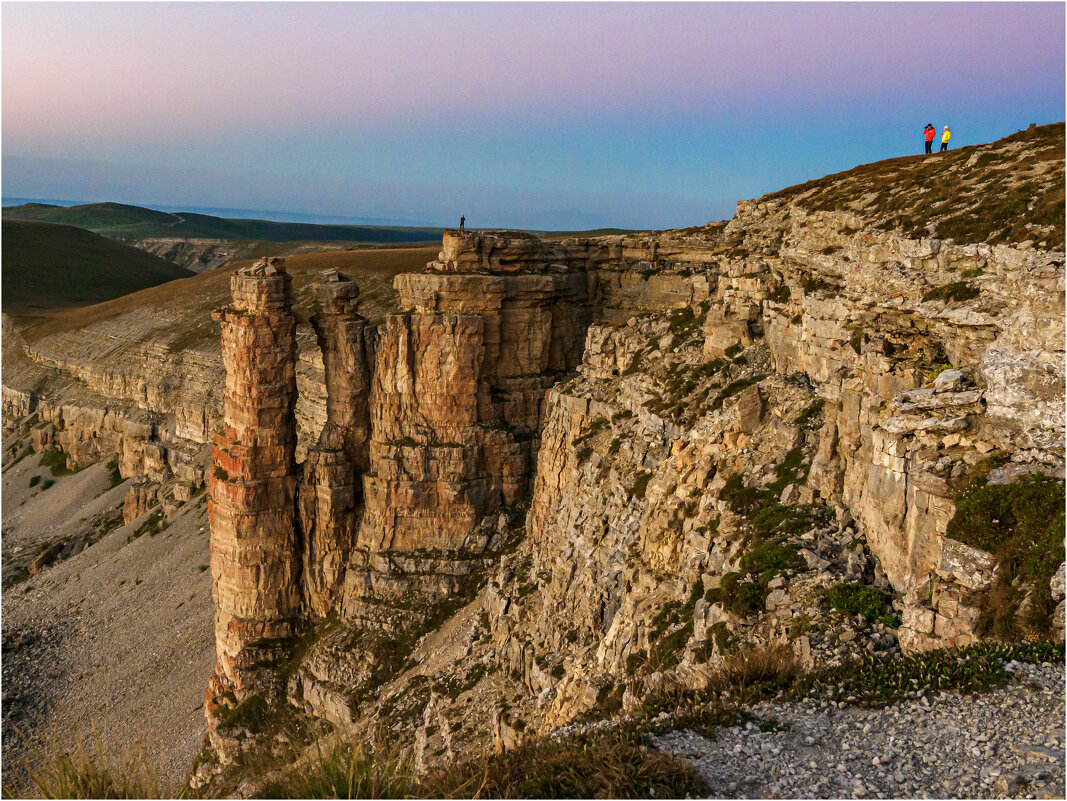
255, 554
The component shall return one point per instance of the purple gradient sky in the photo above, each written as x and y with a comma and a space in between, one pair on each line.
531, 115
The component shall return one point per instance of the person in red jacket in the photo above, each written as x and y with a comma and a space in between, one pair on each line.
929, 131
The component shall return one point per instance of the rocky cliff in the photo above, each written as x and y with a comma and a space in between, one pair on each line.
565, 476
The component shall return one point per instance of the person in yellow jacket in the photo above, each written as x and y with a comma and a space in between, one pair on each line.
944, 139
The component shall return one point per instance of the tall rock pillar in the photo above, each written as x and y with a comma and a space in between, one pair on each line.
329, 491
255, 556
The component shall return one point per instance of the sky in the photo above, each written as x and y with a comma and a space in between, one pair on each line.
551, 116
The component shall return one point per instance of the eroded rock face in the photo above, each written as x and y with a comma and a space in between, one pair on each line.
455, 412
255, 556
329, 492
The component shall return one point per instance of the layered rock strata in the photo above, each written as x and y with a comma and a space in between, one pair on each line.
455, 410
329, 492
255, 554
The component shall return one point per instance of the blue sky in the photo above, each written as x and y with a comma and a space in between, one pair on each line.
518, 115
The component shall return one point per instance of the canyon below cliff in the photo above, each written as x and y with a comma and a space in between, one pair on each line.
514, 490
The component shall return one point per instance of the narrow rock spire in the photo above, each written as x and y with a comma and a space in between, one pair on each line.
255, 559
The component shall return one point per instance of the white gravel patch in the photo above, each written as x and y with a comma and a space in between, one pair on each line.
1008, 742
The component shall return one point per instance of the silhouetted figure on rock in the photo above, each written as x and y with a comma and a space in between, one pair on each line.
462, 222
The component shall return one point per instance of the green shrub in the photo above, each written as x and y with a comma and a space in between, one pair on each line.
808, 417
1022, 525
876, 680
857, 339
637, 490
957, 291
251, 713
35, 480
858, 599
741, 499
152, 525
733, 388
606, 766
813, 283
114, 476
770, 558
46, 484
347, 770
56, 461
779, 294
685, 322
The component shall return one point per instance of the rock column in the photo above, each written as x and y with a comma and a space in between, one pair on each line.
329, 492
255, 556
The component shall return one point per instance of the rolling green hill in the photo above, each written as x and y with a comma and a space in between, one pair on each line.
48, 266
133, 222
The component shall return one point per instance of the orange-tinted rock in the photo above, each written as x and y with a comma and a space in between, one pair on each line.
455, 405
140, 498
328, 493
255, 559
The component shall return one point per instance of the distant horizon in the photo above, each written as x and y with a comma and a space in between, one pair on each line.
274, 215
228, 213
263, 214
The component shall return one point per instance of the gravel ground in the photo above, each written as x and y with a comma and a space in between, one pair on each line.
118, 638
1005, 743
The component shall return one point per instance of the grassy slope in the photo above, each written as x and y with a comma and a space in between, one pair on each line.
134, 222
49, 266
1007, 191
189, 301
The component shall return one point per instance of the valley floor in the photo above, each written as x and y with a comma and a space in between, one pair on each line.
117, 639
1005, 743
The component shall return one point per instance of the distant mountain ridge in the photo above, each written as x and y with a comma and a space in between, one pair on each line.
234, 213
122, 221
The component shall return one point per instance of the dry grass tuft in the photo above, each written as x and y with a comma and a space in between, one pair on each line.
57, 773
347, 770
774, 667
605, 767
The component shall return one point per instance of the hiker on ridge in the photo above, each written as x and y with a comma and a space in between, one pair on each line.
462, 221
944, 139
929, 132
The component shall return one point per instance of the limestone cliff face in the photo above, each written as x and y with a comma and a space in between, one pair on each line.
329, 491
456, 407
839, 382
567, 475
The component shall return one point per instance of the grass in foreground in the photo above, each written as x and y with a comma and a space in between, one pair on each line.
57, 773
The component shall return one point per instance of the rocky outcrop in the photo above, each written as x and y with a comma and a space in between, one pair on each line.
197, 255
255, 556
455, 409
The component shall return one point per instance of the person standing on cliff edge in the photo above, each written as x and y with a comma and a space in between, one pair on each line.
944, 139
462, 221
929, 132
